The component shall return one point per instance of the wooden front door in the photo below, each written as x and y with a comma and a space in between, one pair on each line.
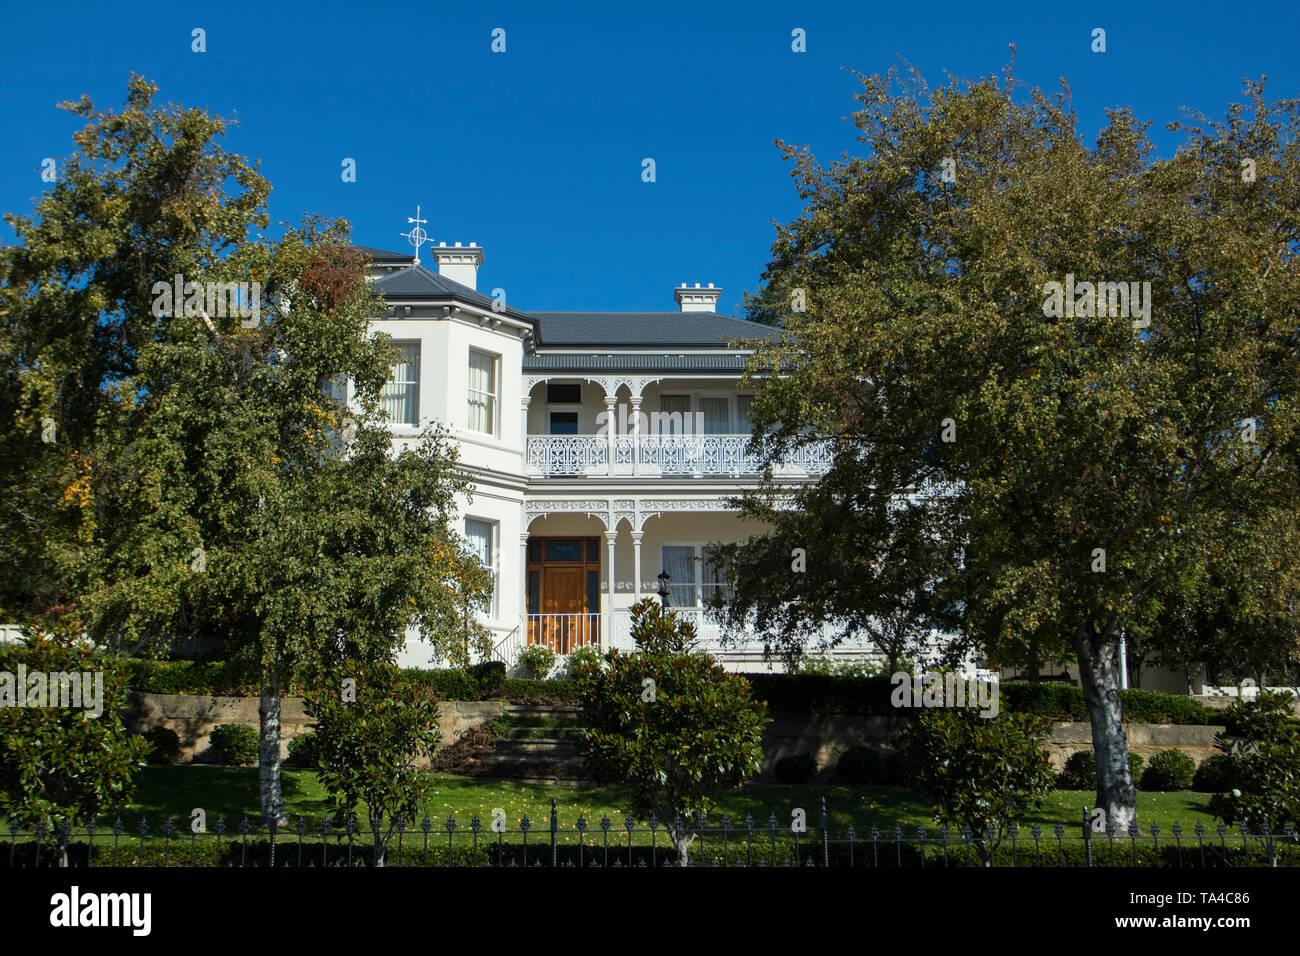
562, 573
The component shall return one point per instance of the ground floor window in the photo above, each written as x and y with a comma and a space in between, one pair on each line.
481, 536
694, 580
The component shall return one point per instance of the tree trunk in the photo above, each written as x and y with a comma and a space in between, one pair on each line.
1097, 671
683, 846
268, 757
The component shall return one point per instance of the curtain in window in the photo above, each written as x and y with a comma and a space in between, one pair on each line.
675, 414
717, 415
743, 404
479, 535
679, 562
482, 392
716, 582
400, 398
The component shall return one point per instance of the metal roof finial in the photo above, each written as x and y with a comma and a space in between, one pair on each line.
417, 236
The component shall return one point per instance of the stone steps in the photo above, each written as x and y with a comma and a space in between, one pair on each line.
539, 747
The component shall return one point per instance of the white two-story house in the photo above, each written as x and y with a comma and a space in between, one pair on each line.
602, 445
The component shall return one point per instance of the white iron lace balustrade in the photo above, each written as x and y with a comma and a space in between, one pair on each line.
563, 455
568, 454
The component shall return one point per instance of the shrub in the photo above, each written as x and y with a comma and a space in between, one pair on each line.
980, 772
672, 724
1051, 699
368, 749
823, 666
234, 744
448, 684
798, 768
55, 762
867, 765
519, 691
489, 676
1135, 762
302, 750
583, 656
1169, 770
1152, 707
1079, 772
535, 662
165, 745
1214, 775
1265, 765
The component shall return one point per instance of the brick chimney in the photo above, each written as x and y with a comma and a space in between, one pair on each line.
459, 263
697, 299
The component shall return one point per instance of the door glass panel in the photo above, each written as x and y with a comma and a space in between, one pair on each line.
593, 592
534, 592
564, 423
593, 551
563, 550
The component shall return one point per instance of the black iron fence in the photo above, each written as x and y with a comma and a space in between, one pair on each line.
630, 842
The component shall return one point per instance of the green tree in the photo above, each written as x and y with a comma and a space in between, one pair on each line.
669, 722
204, 478
1063, 472
372, 729
63, 763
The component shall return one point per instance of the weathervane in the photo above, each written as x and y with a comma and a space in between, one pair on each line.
417, 236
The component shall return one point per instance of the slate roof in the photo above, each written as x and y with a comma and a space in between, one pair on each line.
644, 329
383, 257
581, 362
584, 332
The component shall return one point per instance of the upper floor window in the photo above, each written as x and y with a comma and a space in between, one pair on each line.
400, 398
483, 389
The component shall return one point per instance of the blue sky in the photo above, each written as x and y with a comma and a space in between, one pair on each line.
536, 153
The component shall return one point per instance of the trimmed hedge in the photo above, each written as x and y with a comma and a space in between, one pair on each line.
797, 693
234, 744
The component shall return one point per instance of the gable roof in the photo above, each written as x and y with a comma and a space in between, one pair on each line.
690, 330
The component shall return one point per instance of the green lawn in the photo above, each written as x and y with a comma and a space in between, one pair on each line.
231, 792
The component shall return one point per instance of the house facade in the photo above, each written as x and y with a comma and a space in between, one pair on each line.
603, 447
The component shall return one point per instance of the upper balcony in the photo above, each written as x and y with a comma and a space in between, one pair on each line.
654, 456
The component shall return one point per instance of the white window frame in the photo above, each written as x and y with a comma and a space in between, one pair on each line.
699, 558
419, 361
494, 564
494, 396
